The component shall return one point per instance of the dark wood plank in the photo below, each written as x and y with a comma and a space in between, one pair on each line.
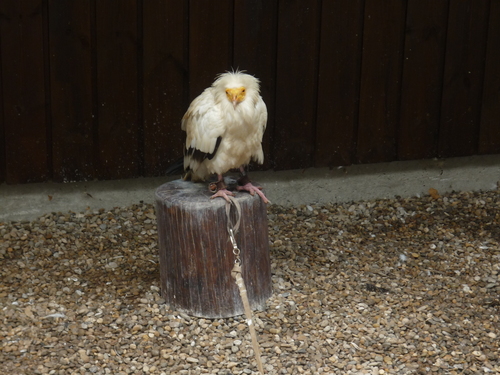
489, 138
383, 40
296, 83
255, 51
339, 79
117, 85
463, 78
210, 42
23, 83
71, 90
422, 81
165, 82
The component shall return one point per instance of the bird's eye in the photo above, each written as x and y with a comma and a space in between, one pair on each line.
243, 90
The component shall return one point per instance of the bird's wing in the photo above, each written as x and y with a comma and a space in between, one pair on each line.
261, 118
261, 109
204, 128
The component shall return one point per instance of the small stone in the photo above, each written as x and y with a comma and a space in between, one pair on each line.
137, 328
83, 355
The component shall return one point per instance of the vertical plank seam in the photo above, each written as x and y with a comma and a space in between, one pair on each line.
94, 94
3, 157
439, 132
402, 43
274, 93
271, 84
354, 145
486, 147
354, 155
140, 89
231, 36
483, 77
272, 125
47, 92
443, 70
313, 140
186, 57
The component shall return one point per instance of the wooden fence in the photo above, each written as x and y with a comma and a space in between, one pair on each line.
96, 88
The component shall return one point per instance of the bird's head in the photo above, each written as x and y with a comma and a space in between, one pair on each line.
237, 87
236, 95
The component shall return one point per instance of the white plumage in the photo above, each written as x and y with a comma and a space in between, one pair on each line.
224, 128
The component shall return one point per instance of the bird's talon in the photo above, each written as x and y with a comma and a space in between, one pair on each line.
252, 190
223, 193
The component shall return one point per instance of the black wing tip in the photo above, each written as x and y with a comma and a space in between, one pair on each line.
199, 156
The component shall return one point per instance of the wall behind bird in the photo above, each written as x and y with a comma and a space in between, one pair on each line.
96, 89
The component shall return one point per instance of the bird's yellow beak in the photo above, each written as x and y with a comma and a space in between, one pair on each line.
236, 95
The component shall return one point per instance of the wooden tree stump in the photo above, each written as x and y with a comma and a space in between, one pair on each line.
196, 255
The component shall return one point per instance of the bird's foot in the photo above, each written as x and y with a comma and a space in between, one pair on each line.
244, 184
220, 190
223, 193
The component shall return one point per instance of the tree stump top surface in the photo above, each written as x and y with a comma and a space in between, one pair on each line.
188, 193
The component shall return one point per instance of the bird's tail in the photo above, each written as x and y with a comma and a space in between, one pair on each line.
176, 167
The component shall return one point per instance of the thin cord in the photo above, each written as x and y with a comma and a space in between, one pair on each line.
236, 274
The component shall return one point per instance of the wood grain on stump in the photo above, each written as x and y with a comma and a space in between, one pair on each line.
196, 255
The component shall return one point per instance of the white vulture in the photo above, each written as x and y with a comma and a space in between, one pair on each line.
224, 126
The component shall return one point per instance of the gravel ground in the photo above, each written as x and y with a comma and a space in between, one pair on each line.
400, 286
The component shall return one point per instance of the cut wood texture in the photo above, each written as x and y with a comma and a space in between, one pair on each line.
196, 255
